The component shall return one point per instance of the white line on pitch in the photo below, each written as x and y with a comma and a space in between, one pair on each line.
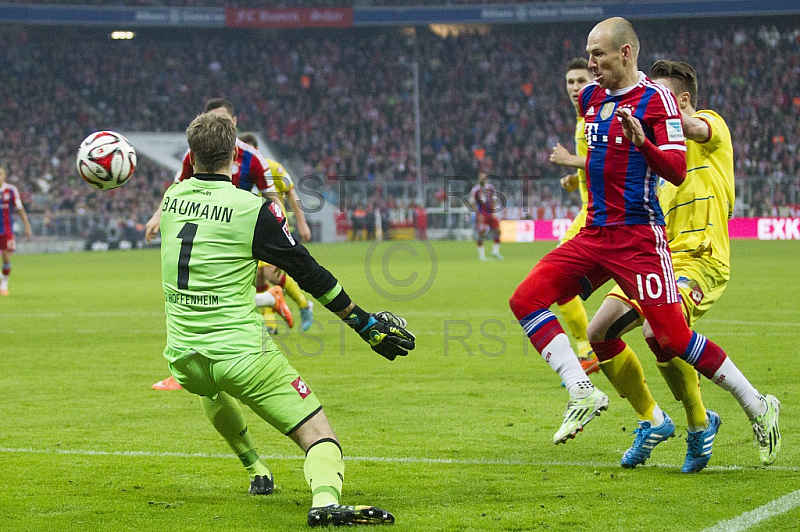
383, 459
760, 323
749, 519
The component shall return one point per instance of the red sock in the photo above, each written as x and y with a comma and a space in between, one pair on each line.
608, 349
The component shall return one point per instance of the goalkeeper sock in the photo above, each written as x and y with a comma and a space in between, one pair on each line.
294, 291
625, 373
324, 471
226, 416
577, 322
685, 386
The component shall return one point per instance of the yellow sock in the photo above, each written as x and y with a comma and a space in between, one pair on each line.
293, 290
577, 322
625, 373
269, 317
324, 470
682, 380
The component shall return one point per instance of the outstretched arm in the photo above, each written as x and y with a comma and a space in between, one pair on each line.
273, 243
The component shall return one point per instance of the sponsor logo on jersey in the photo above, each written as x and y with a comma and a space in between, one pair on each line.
301, 387
674, 130
607, 110
590, 111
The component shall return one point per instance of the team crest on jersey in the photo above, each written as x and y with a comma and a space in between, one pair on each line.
234, 169
301, 387
276, 210
607, 110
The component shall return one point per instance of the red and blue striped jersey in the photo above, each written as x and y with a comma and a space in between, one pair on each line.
248, 171
622, 187
9, 200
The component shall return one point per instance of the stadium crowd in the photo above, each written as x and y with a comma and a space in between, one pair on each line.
339, 102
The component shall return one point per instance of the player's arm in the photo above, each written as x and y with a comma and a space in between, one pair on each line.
694, 128
669, 164
562, 157
272, 195
25, 222
302, 225
273, 243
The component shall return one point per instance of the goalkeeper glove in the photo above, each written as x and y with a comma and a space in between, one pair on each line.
385, 332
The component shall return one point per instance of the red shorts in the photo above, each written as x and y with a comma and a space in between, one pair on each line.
484, 221
637, 257
7, 242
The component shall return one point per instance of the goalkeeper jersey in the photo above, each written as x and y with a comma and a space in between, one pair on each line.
697, 212
212, 235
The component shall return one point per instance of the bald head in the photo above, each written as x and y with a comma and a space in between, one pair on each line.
621, 32
613, 49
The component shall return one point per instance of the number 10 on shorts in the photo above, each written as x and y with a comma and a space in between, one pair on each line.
650, 283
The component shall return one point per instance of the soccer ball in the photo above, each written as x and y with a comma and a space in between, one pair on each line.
106, 160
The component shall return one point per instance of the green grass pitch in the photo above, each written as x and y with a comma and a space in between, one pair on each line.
455, 437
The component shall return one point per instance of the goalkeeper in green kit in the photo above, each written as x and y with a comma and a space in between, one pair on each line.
212, 235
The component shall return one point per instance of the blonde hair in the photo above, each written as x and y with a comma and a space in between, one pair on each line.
212, 139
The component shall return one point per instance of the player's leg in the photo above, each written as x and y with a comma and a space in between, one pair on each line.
642, 266
618, 362
494, 225
324, 472
270, 300
195, 374
702, 424
547, 283
294, 291
672, 337
7, 245
573, 310
480, 227
275, 392
225, 415
577, 321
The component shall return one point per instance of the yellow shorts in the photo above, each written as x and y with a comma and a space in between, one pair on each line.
701, 283
577, 224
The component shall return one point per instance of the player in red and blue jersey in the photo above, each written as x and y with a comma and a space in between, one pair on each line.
10, 202
634, 133
483, 197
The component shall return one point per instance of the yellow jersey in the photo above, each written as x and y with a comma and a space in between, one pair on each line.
278, 177
582, 149
697, 212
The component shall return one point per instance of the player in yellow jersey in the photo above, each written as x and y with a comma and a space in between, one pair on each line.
578, 76
696, 215
285, 193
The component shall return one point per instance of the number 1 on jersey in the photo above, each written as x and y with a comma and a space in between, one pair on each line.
186, 234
